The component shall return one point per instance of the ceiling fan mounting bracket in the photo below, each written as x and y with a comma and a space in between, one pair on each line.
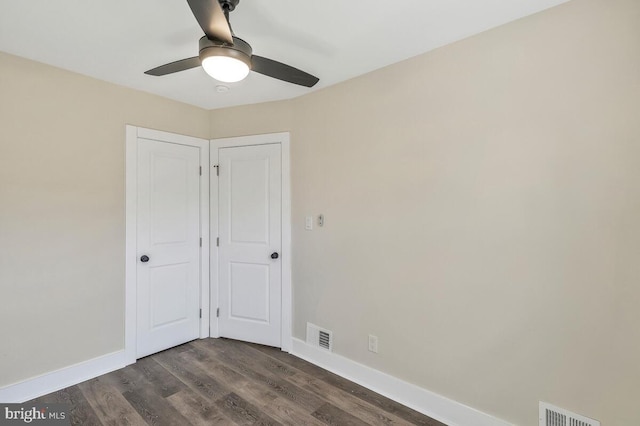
229, 5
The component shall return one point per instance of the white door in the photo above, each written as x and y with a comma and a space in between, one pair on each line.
250, 222
168, 245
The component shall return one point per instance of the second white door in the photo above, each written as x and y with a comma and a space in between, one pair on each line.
250, 225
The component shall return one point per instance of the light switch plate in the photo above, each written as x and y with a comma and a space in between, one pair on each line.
373, 343
308, 223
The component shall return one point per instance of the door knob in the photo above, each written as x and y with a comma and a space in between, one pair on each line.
275, 255
144, 259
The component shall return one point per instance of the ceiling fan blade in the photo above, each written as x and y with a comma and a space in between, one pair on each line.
212, 19
177, 66
283, 72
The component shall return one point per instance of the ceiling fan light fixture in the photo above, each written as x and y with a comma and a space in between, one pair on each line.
225, 68
224, 62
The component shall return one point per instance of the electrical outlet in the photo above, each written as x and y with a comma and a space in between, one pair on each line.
373, 344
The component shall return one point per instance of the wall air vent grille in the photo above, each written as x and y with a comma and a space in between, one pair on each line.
319, 337
554, 416
324, 340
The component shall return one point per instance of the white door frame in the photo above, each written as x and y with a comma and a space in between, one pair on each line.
272, 138
131, 254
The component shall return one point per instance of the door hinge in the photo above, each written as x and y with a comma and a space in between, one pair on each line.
200, 241
218, 313
218, 242
200, 313
217, 169
200, 170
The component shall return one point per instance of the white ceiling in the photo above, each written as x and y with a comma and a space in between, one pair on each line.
117, 40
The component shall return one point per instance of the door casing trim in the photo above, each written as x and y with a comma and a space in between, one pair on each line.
272, 138
133, 133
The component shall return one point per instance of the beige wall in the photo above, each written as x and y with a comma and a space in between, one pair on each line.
482, 209
62, 211
255, 119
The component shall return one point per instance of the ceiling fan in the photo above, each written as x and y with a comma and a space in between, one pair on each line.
226, 57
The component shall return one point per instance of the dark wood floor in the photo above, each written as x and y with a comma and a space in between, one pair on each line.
219, 381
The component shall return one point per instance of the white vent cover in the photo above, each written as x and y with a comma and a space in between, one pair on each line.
554, 416
319, 337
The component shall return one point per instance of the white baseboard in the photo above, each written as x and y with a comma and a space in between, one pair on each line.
426, 402
60, 379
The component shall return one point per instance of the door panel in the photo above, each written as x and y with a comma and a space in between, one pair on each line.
169, 294
249, 292
168, 285
250, 216
249, 205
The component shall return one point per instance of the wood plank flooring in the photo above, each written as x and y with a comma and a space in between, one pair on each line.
225, 382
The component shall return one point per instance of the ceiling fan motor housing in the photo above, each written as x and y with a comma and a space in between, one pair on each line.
240, 50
